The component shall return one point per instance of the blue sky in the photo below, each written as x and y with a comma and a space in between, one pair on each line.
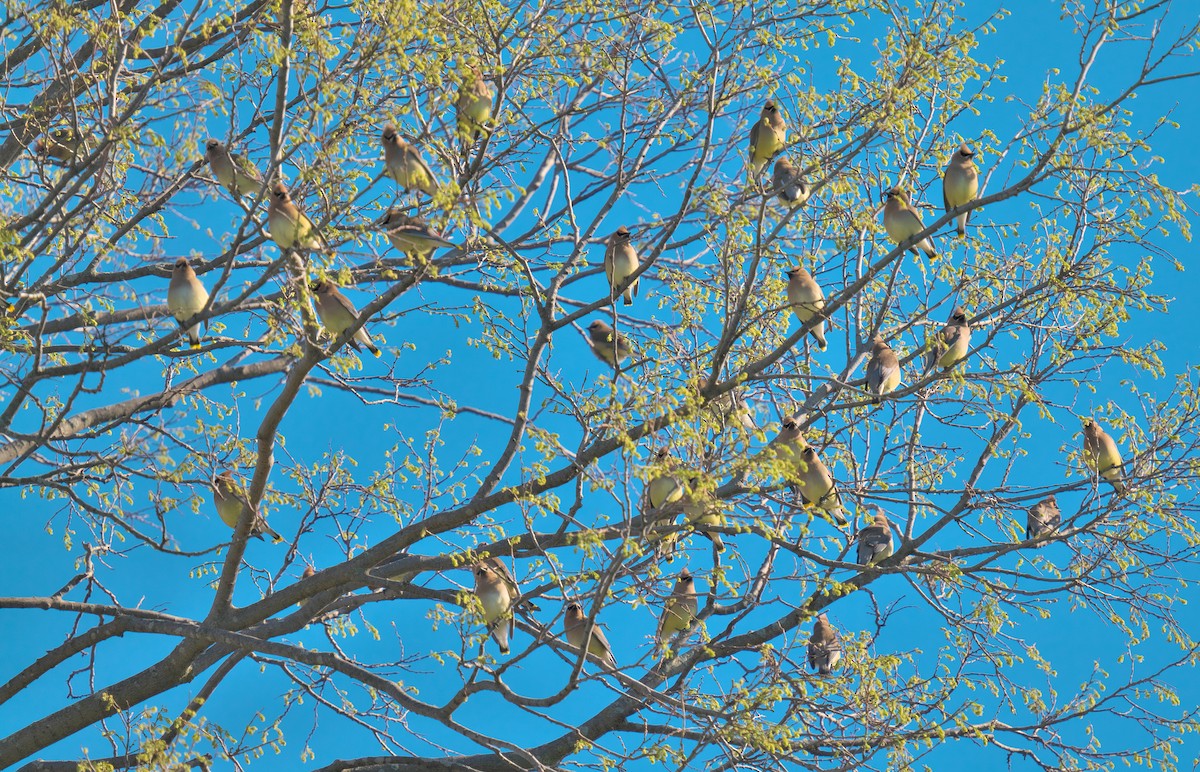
1032, 41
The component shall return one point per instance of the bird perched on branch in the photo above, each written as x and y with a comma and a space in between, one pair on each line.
230, 499
186, 297
767, 137
902, 222
960, 184
1101, 455
236, 174
338, 314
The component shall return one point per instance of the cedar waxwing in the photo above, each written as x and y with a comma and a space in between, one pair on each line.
404, 164
494, 595
950, 346
474, 106
733, 409
789, 187
818, 489
620, 261
238, 175
875, 541
288, 226
960, 184
338, 313
230, 500
610, 346
575, 624
186, 297
1101, 455
902, 222
1043, 519
824, 647
514, 591
61, 144
788, 447
679, 613
703, 509
662, 489
883, 371
412, 235
767, 137
807, 301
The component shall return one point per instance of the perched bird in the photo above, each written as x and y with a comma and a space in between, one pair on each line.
607, 344
883, 371
186, 297
495, 597
732, 408
951, 344
902, 222
789, 187
575, 624
1101, 455
807, 301
338, 314
412, 235
230, 500
620, 262
238, 175
788, 447
824, 647
818, 489
1043, 518
702, 509
663, 488
875, 541
679, 613
404, 164
767, 137
960, 184
60, 144
289, 228
474, 106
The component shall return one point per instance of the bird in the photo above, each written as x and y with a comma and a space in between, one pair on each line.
807, 302
473, 108
663, 488
875, 541
230, 500
412, 235
620, 262
239, 176
732, 408
288, 226
576, 627
1101, 455
702, 509
767, 137
679, 613
817, 488
495, 597
60, 144
403, 163
960, 184
789, 187
338, 314
951, 344
902, 222
788, 447
186, 297
824, 647
1043, 518
608, 344
883, 371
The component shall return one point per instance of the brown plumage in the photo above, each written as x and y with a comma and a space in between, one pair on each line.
824, 647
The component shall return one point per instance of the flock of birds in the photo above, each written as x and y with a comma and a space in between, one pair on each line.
670, 490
